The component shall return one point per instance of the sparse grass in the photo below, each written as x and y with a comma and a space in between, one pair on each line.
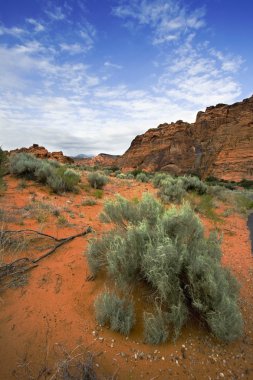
206, 207
243, 203
115, 312
98, 193
11, 245
62, 221
89, 202
156, 326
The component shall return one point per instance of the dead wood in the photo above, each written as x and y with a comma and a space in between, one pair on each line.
25, 264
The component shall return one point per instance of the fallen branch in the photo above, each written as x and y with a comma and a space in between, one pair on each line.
24, 264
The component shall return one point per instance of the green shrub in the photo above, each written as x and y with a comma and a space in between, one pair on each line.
167, 250
115, 312
246, 183
129, 176
98, 193
57, 176
44, 171
24, 165
158, 177
97, 180
3, 160
171, 190
142, 177
194, 184
121, 176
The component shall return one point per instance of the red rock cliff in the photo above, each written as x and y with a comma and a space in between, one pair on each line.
219, 144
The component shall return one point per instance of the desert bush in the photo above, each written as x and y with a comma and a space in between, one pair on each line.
246, 183
142, 177
158, 177
191, 183
57, 176
24, 165
115, 312
167, 250
171, 190
44, 171
129, 176
97, 180
121, 176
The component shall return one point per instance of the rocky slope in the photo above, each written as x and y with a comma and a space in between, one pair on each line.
41, 152
219, 144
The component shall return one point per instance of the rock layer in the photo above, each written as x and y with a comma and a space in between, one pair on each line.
219, 144
43, 153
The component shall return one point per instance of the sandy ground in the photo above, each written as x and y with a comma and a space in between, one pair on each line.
53, 313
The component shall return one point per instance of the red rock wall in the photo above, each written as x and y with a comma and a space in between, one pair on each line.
219, 144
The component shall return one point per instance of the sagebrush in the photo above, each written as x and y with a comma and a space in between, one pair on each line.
58, 177
167, 250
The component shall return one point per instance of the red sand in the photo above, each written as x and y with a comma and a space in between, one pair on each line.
56, 306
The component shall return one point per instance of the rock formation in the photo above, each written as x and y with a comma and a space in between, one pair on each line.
41, 152
102, 159
219, 144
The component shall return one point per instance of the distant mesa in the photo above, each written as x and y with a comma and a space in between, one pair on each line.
81, 156
41, 152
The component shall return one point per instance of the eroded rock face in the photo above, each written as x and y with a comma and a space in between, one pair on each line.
219, 144
43, 153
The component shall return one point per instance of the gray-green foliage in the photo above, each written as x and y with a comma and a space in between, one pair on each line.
156, 326
173, 189
97, 180
167, 249
57, 176
3, 160
142, 177
116, 312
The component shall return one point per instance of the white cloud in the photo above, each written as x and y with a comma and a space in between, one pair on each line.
38, 27
112, 65
72, 48
198, 75
168, 19
55, 13
14, 31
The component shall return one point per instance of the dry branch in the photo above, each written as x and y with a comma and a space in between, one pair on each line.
24, 264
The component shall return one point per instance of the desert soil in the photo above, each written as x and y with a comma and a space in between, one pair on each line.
50, 310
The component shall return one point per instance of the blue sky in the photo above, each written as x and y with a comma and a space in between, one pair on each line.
88, 76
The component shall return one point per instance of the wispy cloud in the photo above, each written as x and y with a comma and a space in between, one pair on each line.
168, 19
197, 74
55, 13
14, 31
112, 65
38, 27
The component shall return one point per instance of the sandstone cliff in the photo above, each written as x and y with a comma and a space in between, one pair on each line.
41, 152
219, 144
